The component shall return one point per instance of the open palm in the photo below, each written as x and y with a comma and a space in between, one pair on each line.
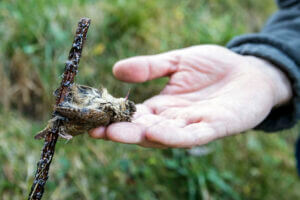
212, 93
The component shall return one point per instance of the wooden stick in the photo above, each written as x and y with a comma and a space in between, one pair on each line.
71, 69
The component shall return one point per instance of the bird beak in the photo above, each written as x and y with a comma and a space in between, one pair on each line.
126, 98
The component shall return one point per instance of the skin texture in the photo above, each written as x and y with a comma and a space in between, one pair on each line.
212, 93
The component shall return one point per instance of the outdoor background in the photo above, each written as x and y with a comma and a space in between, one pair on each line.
35, 38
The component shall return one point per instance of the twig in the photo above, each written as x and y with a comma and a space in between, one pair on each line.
71, 69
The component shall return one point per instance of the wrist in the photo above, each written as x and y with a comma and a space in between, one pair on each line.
279, 82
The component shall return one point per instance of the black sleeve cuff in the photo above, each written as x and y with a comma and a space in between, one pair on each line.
285, 116
287, 3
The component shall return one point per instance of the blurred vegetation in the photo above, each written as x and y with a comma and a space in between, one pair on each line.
35, 37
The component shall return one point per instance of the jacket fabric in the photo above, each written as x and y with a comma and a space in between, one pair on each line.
279, 43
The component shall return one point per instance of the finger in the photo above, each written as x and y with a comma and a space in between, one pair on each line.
178, 123
148, 119
191, 114
196, 134
220, 116
98, 133
134, 133
144, 68
141, 109
125, 132
130, 133
167, 123
160, 103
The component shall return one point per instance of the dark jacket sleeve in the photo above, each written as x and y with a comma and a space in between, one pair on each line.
279, 43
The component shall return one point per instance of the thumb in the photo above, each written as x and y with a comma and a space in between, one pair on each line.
144, 68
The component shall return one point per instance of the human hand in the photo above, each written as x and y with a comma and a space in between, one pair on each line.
212, 93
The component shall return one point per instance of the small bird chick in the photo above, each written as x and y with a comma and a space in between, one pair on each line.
85, 108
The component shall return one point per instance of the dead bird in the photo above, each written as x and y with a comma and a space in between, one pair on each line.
85, 108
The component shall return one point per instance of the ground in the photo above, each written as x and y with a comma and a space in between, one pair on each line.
35, 39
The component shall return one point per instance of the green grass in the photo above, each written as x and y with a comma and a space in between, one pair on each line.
251, 166
35, 39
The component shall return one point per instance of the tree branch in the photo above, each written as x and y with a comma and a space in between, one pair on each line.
71, 69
